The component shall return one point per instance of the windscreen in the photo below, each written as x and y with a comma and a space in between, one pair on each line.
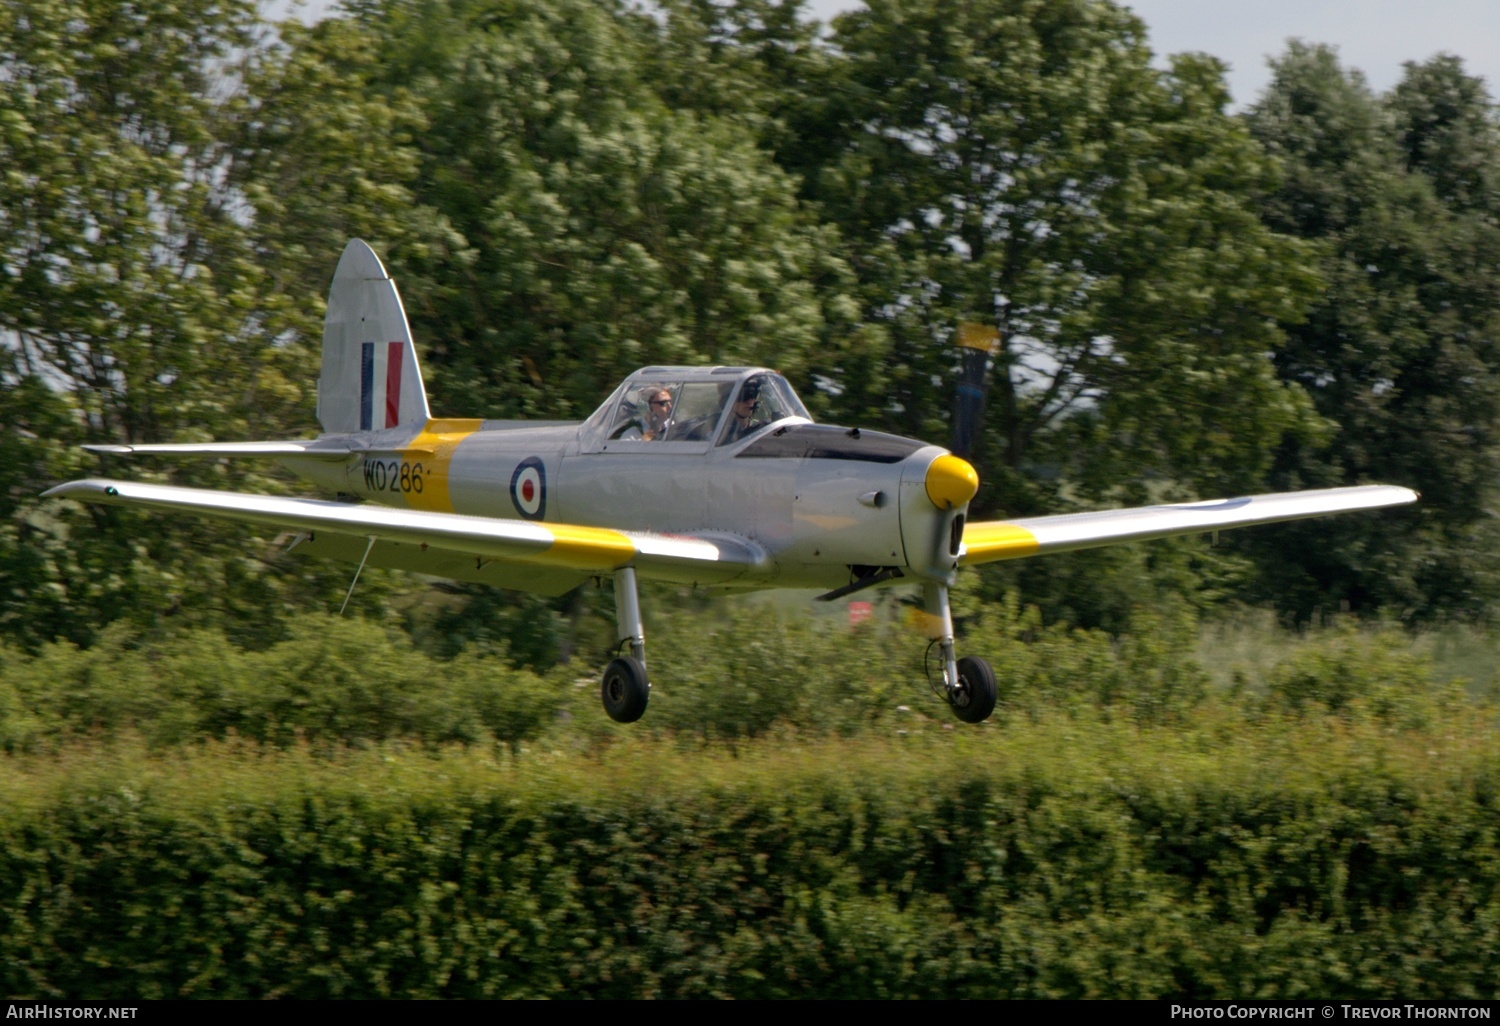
759, 401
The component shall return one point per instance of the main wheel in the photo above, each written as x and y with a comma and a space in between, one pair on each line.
974, 698
625, 690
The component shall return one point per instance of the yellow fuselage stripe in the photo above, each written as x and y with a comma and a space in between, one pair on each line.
988, 542
441, 437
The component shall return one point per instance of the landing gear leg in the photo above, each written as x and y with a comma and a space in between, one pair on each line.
968, 683
625, 688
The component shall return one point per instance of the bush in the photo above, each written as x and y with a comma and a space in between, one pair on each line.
1357, 674
334, 683
1065, 858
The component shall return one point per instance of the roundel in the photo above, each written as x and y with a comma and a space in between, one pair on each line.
528, 488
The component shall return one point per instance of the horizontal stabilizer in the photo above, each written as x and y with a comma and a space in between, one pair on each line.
272, 449
308, 450
988, 542
408, 452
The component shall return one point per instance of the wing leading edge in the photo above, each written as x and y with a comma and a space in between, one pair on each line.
532, 556
990, 541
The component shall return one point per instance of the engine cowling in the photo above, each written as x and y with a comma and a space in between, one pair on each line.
936, 488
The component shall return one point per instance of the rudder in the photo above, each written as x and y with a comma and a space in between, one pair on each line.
370, 378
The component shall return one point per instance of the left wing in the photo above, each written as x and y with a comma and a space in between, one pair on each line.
990, 541
530, 556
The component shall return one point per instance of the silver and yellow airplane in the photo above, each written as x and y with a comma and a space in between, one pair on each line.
714, 477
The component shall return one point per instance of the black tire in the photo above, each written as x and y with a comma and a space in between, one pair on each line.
974, 698
625, 690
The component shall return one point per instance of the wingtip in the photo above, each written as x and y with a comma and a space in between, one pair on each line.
88, 488
110, 450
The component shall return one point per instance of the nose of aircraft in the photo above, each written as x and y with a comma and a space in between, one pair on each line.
951, 482
936, 487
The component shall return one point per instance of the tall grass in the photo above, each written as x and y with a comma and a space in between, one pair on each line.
730, 673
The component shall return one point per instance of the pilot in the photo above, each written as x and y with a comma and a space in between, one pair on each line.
658, 420
743, 420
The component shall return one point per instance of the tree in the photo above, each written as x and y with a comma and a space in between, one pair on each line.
110, 211
553, 221
1399, 353
1019, 163
749, 61
594, 228
322, 152
130, 310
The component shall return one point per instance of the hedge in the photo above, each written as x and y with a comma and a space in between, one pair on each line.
1068, 856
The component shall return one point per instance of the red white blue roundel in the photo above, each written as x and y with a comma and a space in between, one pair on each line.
528, 488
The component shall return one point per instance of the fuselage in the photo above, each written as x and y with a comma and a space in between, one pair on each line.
825, 504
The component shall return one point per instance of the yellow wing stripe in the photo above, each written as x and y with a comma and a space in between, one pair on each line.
987, 542
439, 438
588, 548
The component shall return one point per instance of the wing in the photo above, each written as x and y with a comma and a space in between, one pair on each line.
1033, 536
530, 556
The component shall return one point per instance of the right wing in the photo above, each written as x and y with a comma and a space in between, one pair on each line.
543, 558
987, 542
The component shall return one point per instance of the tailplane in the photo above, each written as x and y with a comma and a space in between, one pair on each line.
370, 378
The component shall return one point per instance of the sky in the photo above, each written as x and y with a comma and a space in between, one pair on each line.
1375, 36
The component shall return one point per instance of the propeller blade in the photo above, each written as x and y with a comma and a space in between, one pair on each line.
977, 344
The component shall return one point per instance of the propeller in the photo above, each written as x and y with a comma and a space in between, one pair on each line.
977, 344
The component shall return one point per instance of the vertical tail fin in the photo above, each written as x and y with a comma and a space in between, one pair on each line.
370, 378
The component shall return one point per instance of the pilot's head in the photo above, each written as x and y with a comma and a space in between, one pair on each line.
658, 403
744, 404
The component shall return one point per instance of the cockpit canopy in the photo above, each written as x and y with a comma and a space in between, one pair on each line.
691, 407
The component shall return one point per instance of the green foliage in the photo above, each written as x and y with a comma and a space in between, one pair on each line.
1149, 676
601, 229
122, 279
1104, 588
130, 311
1357, 676
730, 672
1020, 163
332, 816
527, 629
1065, 859
570, 189
212, 788
1378, 675
321, 155
757, 668
753, 62
1398, 353
333, 683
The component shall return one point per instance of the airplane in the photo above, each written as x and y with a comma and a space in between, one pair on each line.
714, 477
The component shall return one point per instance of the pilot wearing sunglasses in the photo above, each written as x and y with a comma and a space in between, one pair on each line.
658, 420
